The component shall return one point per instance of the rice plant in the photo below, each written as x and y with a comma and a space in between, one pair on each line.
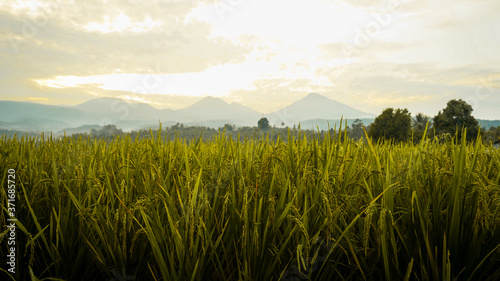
299, 208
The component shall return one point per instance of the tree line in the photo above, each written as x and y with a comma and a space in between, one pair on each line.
398, 125
455, 118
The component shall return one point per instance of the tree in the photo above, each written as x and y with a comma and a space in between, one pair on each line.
356, 131
263, 123
456, 115
418, 124
392, 124
492, 135
106, 131
229, 127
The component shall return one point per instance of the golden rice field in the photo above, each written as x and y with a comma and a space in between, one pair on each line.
295, 209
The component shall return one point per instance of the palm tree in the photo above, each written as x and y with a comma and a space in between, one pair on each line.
420, 121
418, 124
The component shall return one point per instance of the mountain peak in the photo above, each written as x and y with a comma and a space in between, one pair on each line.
209, 102
315, 106
104, 101
110, 103
213, 108
212, 100
315, 96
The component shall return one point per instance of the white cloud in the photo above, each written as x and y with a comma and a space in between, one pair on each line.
215, 81
295, 23
122, 23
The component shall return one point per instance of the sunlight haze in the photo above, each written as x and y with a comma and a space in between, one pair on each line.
262, 54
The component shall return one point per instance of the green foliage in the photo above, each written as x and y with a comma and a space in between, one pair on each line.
298, 208
263, 123
456, 115
419, 123
106, 131
492, 135
392, 124
356, 131
229, 127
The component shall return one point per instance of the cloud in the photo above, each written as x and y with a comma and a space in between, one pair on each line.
262, 54
62, 44
372, 5
419, 87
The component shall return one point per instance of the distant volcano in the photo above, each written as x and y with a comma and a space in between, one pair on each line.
211, 108
315, 106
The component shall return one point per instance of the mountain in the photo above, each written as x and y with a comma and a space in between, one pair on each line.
79, 130
33, 124
486, 124
127, 116
210, 112
315, 106
210, 109
115, 110
14, 111
311, 112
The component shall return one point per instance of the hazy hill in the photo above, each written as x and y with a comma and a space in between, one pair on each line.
210, 109
486, 124
315, 106
311, 112
79, 130
115, 110
13, 111
34, 124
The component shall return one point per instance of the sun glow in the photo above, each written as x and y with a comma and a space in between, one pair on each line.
121, 23
215, 81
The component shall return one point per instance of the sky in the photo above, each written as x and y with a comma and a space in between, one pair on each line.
265, 54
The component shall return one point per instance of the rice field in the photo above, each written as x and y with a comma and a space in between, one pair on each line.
299, 208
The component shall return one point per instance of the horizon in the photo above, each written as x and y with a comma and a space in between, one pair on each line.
132, 102
367, 55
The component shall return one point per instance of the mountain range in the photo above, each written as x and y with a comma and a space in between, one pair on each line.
311, 111
210, 112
